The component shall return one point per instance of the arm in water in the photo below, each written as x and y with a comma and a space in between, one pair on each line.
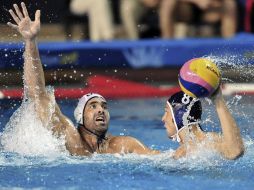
231, 144
34, 81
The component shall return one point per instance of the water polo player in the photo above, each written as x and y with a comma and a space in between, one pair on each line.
182, 119
92, 114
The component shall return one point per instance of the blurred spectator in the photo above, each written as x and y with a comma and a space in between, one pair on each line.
131, 12
99, 15
246, 15
70, 19
174, 18
219, 13
207, 15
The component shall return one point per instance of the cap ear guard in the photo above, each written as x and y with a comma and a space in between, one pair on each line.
78, 112
174, 137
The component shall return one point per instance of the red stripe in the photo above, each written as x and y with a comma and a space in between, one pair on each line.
247, 18
12, 93
106, 86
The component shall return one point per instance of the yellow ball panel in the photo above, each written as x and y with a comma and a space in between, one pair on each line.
206, 70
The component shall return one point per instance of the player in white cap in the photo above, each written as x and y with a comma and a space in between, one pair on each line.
91, 113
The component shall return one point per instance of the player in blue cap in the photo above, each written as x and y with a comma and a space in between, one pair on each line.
182, 120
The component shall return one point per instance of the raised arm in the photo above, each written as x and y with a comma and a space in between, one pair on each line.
34, 82
231, 145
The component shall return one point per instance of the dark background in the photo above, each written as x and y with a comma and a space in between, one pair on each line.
53, 11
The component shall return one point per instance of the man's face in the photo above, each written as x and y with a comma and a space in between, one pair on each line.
169, 124
96, 115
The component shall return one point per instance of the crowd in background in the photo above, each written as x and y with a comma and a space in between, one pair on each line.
135, 19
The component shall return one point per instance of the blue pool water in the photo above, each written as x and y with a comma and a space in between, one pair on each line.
37, 163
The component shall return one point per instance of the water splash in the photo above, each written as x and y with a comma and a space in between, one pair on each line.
234, 67
27, 135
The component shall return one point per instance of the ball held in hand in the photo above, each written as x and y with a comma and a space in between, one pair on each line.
199, 77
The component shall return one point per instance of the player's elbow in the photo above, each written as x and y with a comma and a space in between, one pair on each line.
235, 152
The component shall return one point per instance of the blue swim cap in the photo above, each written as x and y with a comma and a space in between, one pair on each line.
186, 111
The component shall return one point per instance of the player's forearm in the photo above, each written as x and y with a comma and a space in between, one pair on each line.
228, 123
231, 133
33, 71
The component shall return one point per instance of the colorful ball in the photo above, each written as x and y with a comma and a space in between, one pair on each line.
199, 77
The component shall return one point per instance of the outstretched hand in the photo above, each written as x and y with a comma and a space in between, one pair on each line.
27, 28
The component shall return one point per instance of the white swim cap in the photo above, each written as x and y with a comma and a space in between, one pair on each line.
78, 112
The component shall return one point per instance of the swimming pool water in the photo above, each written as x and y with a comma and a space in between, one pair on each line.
140, 118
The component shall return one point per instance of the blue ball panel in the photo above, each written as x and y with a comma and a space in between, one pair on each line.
197, 90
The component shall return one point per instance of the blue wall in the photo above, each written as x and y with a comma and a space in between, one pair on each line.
130, 54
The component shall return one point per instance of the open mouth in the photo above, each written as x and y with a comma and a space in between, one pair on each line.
100, 118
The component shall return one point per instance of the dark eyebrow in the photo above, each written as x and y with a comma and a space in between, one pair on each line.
94, 102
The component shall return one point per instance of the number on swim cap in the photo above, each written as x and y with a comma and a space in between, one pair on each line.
185, 99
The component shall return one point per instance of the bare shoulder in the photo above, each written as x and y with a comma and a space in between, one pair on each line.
213, 136
123, 140
210, 141
63, 126
128, 144
116, 144
119, 141
213, 141
74, 143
